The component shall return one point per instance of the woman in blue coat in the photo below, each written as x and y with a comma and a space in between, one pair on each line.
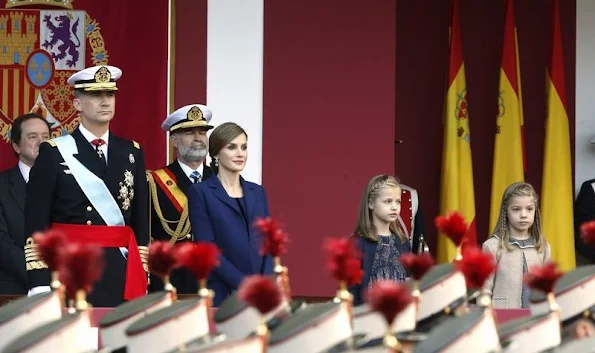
223, 209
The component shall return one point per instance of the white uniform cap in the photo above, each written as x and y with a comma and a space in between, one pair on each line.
96, 78
193, 115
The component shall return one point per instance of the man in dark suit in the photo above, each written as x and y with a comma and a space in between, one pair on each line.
92, 186
27, 133
584, 211
188, 128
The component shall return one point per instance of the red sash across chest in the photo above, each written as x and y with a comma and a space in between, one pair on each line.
112, 237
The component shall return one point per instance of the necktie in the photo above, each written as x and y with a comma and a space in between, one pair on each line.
97, 143
196, 178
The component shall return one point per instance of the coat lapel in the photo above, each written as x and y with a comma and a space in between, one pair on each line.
249, 197
87, 155
206, 171
181, 177
18, 187
222, 195
117, 161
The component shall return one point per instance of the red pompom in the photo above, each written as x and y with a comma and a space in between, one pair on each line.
274, 238
162, 258
80, 266
344, 261
588, 233
543, 278
388, 298
417, 265
199, 258
260, 292
453, 226
476, 266
49, 245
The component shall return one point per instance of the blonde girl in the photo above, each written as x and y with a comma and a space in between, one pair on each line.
517, 244
379, 239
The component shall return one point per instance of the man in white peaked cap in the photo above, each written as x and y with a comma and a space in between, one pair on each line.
91, 185
168, 186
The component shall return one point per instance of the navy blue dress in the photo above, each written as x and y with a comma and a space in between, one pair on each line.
379, 262
386, 265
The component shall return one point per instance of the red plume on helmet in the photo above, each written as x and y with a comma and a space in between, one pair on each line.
198, 258
275, 239
344, 262
417, 265
477, 266
588, 233
49, 245
453, 226
162, 258
260, 293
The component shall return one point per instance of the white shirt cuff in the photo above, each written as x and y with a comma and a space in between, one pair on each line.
38, 289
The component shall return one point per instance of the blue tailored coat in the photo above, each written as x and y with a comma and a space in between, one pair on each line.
218, 218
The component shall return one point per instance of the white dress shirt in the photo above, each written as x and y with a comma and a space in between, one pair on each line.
88, 135
188, 171
25, 169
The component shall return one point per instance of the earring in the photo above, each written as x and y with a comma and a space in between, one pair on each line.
216, 162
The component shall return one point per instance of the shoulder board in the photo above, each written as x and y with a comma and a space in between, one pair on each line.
51, 143
136, 144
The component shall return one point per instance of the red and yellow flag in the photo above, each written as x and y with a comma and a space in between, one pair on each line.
508, 146
456, 191
557, 194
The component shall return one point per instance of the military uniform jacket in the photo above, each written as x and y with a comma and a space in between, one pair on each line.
54, 196
168, 199
411, 219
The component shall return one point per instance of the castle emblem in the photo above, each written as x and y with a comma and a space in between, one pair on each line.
462, 116
39, 51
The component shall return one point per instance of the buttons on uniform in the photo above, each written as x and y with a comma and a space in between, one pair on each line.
89, 223
89, 208
188, 236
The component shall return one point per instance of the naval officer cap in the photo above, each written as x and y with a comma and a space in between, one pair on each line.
189, 116
96, 78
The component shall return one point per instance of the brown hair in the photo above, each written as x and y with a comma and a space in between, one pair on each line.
502, 227
220, 137
365, 227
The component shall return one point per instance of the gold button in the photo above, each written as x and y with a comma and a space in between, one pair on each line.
409, 208
89, 208
89, 223
188, 235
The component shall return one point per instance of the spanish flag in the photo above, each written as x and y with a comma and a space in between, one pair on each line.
557, 194
508, 146
456, 191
